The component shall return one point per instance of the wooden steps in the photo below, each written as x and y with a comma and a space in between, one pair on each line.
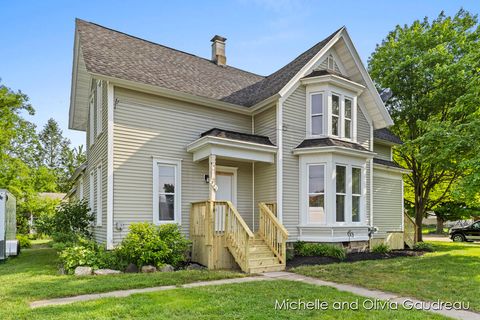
261, 258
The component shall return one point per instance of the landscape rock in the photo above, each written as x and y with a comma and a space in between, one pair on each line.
195, 266
102, 272
83, 271
166, 268
131, 268
148, 269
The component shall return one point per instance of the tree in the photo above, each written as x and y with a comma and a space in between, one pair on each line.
431, 69
70, 161
452, 210
52, 144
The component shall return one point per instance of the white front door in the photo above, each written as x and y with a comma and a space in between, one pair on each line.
226, 183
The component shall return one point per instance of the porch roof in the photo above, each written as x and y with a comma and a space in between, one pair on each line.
233, 145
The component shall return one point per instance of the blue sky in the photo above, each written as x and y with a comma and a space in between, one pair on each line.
263, 35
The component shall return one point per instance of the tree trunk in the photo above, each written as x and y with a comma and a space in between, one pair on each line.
419, 206
439, 225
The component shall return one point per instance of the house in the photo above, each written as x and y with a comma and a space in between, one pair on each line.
244, 163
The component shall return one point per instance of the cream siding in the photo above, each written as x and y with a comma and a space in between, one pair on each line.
147, 126
364, 139
265, 173
383, 152
96, 154
387, 201
294, 123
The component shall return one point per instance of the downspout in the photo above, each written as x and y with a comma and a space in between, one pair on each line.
253, 181
110, 110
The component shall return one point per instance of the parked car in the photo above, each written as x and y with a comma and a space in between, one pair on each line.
470, 232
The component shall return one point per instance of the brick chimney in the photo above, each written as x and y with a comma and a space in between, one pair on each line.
218, 50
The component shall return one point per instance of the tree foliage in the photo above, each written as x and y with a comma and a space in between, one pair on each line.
432, 69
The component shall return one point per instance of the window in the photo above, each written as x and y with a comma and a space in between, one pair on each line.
99, 106
356, 193
91, 197
91, 132
316, 194
167, 200
348, 118
317, 114
335, 115
99, 196
341, 192
330, 62
80, 188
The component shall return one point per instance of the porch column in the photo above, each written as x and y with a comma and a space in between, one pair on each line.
212, 169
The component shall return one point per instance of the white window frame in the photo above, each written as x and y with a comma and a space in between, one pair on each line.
91, 114
328, 91
99, 103
360, 195
330, 161
177, 164
91, 191
310, 115
344, 194
80, 187
99, 204
320, 193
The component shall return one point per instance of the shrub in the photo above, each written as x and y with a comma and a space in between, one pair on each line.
88, 253
70, 221
147, 244
380, 248
320, 249
24, 241
423, 246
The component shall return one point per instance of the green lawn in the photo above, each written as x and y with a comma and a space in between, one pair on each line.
254, 300
33, 276
452, 273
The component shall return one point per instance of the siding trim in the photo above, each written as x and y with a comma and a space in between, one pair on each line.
280, 160
110, 108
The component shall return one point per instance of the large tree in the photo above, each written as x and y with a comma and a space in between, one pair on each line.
431, 67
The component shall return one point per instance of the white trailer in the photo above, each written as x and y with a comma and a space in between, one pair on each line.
8, 225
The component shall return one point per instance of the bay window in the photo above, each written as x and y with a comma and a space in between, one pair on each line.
356, 193
335, 115
317, 114
341, 192
347, 118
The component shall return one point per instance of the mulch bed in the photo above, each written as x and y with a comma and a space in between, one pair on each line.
351, 257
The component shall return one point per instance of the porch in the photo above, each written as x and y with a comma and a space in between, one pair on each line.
235, 227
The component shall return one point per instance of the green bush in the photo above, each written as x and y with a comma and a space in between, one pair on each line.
70, 221
423, 246
24, 241
309, 249
147, 244
381, 248
88, 253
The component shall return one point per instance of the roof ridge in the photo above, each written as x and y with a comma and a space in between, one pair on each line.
164, 46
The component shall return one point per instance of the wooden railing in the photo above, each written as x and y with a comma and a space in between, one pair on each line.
410, 231
273, 232
238, 236
272, 206
210, 221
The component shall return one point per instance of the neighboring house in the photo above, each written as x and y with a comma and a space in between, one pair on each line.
166, 129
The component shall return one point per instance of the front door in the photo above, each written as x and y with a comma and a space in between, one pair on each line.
226, 191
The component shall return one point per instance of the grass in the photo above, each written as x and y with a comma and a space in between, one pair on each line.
432, 229
254, 300
452, 273
33, 276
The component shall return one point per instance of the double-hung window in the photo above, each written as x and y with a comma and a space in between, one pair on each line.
99, 106
356, 193
316, 194
91, 115
347, 118
335, 115
317, 114
99, 215
166, 191
91, 191
341, 192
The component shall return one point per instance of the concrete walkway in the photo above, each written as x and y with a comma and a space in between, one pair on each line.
373, 294
126, 293
268, 276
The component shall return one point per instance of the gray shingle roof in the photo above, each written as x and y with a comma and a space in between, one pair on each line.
386, 135
387, 163
255, 138
329, 142
115, 54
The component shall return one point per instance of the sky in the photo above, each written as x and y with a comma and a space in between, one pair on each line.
36, 48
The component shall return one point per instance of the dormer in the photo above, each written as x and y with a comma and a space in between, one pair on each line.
331, 104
